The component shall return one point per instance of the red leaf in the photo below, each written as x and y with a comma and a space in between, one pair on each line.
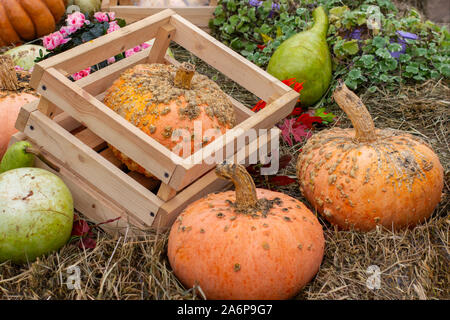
297, 111
289, 82
259, 105
87, 243
298, 86
299, 131
307, 120
281, 180
261, 46
284, 161
80, 228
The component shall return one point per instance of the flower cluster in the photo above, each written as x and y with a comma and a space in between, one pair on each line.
75, 22
79, 29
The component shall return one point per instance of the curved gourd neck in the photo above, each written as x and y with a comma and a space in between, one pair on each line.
320, 26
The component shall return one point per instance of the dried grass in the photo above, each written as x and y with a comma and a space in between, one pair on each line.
414, 263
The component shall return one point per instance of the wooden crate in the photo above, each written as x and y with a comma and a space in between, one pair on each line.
72, 125
130, 12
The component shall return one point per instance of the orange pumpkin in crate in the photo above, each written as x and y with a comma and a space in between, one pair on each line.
248, 244
168, 103
359, 178
28, 19
14, 93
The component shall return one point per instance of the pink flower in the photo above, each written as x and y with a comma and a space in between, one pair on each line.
101, 17
129, 53
111, 60
112, 16
54, 40
145, 45
113, 26
68, 30
76, 19
132, 51
19, 68
81, 74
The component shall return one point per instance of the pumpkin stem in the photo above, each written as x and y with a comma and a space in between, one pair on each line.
245, 187
355, 109
8, 76
184, 75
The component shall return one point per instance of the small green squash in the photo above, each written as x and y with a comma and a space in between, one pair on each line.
306, 57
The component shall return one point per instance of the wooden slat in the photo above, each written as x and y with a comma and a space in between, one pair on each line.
162, 42
91, 140
148, 183
98, 82
24, 114
165, 192
187, 172
102, 48
48, 108
110, 126
224, 59
79, 158
199, 16
109, 155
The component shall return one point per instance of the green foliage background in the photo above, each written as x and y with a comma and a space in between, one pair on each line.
364, 63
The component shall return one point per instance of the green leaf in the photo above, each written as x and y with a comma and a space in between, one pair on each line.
351, 47
327, 117
372, 89
379, 42
412, 69
354, 74
234, 20
351, 84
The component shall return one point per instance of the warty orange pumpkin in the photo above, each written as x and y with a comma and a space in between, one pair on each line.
363, 177
248, 244
160, 99
28, 19
14, 93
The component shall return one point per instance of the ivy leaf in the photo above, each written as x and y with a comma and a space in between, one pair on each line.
412, 69
327, 117
351, 47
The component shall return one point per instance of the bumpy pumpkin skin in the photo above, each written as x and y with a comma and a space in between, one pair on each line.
306, 57
131, 97
234, 255
28, 19
394, 181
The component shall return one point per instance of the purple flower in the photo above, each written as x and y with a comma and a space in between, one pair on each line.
356, 34
401, 40
275, 6
407, 35
396, 54
255, 3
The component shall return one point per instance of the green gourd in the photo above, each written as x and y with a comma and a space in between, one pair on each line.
17, 156
306, 57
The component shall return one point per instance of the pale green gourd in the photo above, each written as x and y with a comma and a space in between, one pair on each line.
306, 57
